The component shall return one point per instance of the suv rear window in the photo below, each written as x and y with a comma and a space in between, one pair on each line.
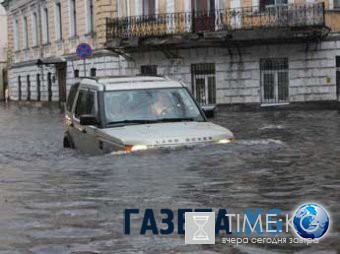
71, 96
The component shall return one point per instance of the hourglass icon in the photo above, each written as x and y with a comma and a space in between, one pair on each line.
200, 234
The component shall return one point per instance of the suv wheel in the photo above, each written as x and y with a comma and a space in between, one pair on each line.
67, 143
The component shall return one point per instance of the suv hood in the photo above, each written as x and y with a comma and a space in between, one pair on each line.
166, 134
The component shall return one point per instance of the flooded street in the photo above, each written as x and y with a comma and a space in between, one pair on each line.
54, 200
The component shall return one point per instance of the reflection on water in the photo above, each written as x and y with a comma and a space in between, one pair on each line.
59, 201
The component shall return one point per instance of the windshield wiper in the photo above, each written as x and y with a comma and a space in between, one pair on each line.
125, 122
161, 120
188, 119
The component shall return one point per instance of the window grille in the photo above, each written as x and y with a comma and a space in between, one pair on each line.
204, 83
150, 70
274, 80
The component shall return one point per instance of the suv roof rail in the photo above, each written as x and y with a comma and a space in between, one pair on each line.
151, 75
86, 77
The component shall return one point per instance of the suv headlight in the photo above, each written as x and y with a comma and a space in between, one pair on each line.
225, 140
134, 148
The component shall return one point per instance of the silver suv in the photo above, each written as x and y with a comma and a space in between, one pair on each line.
129, 114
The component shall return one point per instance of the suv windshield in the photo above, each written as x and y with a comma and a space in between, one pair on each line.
149, 106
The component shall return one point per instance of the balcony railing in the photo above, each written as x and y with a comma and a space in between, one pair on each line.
276, 16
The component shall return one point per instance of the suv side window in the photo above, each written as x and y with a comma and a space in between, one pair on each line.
71, 96
85, 103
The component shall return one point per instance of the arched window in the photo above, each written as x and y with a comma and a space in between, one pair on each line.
16, 35
89, 16
73, 18
58, 21
45, 26
25, 33
35, 29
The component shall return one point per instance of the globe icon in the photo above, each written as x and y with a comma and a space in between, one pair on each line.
311, 221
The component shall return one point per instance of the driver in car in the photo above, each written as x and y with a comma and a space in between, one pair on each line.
163, 106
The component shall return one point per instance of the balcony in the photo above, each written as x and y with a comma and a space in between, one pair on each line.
241, 24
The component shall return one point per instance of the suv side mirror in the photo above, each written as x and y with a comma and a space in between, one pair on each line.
88, 120
209, 111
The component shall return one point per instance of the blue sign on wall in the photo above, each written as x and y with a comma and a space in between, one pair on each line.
84, 50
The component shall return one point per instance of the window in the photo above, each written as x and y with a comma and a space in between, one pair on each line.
204, 83
336, 4
154, 105
28, 88
58, 21
45, 26
73, 18
35, 29
93, 72
148, 70
49, 86
265, 3
149, 7
85, 104
16, 35
274, 80
123, 7
71, 96
76, 73
89, 17
204, 5
25, 33
19, 88
38, 88
337, 60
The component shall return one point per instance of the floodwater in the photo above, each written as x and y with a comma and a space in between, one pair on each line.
54, 200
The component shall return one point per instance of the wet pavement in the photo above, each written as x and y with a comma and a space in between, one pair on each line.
54, 200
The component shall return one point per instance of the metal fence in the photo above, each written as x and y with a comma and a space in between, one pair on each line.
289, 15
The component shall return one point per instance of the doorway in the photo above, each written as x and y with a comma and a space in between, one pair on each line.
338, 85
61, 75
4, 82
274, 81
204, 15
236, 19
337, 60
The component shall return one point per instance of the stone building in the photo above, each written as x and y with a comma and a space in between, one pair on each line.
3, 49
263, 52
43, 36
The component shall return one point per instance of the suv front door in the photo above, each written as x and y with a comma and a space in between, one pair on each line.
85, 137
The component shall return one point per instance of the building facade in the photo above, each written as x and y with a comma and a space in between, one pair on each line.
43, 36
264, 52
3, 52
